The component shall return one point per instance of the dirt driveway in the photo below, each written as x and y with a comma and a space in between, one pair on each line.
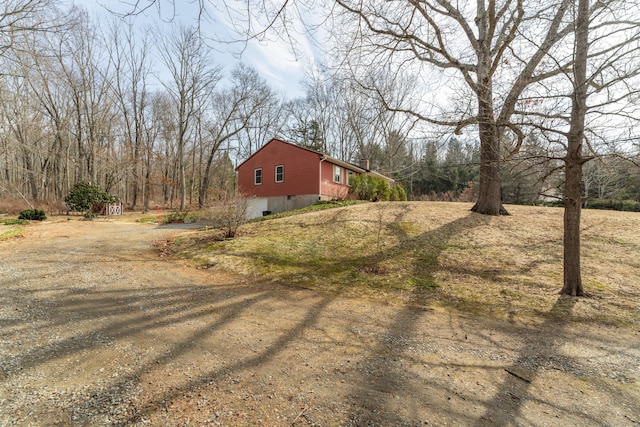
97, 329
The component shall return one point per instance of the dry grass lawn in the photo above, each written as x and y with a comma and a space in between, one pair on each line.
441, 256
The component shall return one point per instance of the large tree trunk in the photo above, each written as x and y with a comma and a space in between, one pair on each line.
572, 209
489, 195
574, 159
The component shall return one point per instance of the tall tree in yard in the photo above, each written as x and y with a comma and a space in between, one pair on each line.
591, 108
88, 77
130, 57
233, 111
607, 37
574, 158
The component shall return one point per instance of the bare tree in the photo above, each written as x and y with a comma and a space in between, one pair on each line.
152, 130
186, 57
129, 53
88, 74
23, 23
339, 118
48, 85
604, 178
603, 41
233, 109
267, 121
589, 109
574, 158
162, 119
230, 213
19, 17
25, 126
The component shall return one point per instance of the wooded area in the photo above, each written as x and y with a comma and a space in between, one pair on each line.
153, 119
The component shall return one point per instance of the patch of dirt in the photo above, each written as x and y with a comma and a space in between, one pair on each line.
99, 326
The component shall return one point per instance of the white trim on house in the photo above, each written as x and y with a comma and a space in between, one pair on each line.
281, 173
337, 174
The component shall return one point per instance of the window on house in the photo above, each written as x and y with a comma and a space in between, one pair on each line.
280, 173
337, 174
257, 176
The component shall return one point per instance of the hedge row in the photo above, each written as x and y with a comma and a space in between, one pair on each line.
612, 205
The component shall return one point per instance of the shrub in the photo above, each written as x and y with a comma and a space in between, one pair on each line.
360, 187
83, 197
33, 214
616, 205
606, 204
381, 189
177, 216
398, 194
230, 213
372, 188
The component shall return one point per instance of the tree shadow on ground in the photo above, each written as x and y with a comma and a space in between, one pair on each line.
231, 337
513, 392
383, 377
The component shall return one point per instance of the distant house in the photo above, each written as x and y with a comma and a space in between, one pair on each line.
282, 176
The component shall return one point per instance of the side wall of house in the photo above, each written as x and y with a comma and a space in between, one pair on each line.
330, 189
300, 172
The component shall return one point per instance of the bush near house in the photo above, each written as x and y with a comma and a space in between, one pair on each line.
374, 189
398, 194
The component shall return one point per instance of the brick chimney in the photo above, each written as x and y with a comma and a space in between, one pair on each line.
364, 164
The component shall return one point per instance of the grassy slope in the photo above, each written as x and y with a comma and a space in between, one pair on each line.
441, 256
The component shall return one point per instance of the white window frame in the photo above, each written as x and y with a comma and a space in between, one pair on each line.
337, 172
276, 174
255, 176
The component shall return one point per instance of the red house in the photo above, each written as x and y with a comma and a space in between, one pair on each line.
282, 176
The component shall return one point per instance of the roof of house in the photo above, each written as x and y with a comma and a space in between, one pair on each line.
323, 157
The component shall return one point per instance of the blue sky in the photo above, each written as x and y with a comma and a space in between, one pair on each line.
273, 58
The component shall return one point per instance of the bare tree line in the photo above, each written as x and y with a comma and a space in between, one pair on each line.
83, 102
86, 103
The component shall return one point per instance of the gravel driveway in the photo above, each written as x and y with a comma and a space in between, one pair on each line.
96, 328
